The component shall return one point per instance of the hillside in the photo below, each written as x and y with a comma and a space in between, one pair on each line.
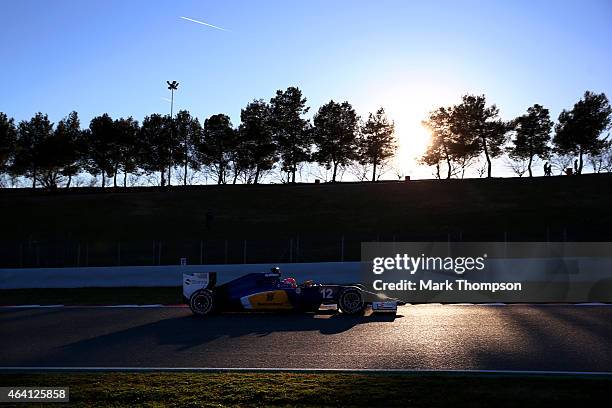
555, 208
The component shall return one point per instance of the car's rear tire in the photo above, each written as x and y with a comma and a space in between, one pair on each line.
202, 302
351, 301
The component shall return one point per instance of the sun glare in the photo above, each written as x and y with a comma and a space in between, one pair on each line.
408, 103
413, 138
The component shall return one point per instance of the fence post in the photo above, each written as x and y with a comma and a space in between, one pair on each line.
244, 251
506, 244
159, 253
226, 250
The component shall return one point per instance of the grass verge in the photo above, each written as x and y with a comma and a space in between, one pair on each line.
92, 296
310, 390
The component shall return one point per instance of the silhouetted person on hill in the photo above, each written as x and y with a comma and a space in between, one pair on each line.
547, 169
575, 166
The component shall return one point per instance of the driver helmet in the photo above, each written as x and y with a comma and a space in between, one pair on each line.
275, 270
290, 282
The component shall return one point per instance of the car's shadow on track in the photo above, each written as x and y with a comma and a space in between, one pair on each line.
187, 331
262, 324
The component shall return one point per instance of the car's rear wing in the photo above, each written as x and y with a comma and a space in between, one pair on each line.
198, 280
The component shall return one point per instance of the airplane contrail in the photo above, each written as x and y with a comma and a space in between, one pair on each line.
203, 23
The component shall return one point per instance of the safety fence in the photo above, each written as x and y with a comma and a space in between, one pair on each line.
292, 249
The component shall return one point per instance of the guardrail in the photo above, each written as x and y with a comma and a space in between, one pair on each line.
586, 270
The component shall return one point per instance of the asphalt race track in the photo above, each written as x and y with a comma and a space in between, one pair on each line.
428, 337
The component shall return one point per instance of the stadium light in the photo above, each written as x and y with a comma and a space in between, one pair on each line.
172, 86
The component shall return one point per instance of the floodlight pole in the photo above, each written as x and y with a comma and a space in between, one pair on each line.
171, 101
172, 86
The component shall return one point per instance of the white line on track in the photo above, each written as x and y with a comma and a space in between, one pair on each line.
312, 370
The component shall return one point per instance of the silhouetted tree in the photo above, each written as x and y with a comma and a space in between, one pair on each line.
156, 141
602, 161
442, 147
70, 145
532, 134
189, 136
291, 132
126, 153
31, 134
101, 155
51, 152
579, 129
477, 128
377, 142
219, 138
8, 135
517, 165
240, 158
335, 135
256, 138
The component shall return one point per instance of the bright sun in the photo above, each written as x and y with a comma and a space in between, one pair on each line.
408, 102
413, 138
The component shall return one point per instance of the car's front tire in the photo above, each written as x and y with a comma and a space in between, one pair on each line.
351, 301
202, 302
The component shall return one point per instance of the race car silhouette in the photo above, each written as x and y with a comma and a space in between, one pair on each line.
268, 292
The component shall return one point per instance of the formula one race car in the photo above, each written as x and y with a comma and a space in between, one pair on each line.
268, 292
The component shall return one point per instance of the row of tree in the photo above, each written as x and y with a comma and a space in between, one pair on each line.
271, 134
276, 134
470, 130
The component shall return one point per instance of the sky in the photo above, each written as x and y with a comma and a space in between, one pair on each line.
408, 56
